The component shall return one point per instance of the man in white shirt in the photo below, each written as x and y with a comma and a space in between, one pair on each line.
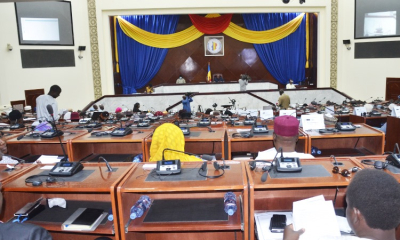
373, 207
180, 80
50, 99
290, 85
285, 136
243, 82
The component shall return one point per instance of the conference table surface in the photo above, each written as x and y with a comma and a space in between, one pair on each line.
41, 146
88, 144
7, 176
364, 140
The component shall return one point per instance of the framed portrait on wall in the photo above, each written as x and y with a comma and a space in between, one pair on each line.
214, 45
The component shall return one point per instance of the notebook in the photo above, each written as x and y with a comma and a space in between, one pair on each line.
84, 219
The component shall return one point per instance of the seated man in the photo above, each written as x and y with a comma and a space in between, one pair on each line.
285, 136
168, 135
373, 207
180, 80
290, 85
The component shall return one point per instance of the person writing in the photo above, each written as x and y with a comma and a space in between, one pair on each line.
284, 100
290, 85
15, 117
50, 99
170, 136
373, 207
180, 80
186, 100
285, 136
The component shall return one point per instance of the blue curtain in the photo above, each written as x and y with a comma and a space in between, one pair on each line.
285, 59
139, 63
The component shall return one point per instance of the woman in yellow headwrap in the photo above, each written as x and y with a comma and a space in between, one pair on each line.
168, 135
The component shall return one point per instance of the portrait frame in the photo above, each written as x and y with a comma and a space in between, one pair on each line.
214, 46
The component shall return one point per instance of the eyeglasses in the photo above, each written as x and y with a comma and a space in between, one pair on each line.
345, 172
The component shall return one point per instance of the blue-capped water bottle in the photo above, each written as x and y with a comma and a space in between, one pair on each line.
140, 207
110, 216
230, 203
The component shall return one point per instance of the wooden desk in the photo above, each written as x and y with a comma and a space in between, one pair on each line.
134, 185
87, 144
377, 121
392, 133
200, 141
6, 176
278, 194
99, 186
39, 146
363, 141
381, 158
11, 134
259, 142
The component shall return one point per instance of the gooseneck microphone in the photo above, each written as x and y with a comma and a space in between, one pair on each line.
109, 168
204, 156
50, 111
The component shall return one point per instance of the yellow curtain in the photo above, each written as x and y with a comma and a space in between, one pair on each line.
116, 45
159, 40
186, 36
260, 37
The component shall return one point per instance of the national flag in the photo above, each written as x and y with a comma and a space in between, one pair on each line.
209, 73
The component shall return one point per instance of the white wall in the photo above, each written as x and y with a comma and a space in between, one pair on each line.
361, 78
76, 82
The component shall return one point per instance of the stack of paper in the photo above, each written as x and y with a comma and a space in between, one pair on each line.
317, 217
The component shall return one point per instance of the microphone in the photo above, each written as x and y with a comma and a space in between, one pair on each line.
109, 168
336, 162
204, 156
210, 129
50, 110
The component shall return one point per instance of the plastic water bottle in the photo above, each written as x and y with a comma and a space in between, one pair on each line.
110, 216
140, 207
230, 203
315, 151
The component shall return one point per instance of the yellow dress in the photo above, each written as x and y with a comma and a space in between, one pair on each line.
168, 135
149, 90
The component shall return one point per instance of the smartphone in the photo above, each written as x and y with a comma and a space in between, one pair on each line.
278, 223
